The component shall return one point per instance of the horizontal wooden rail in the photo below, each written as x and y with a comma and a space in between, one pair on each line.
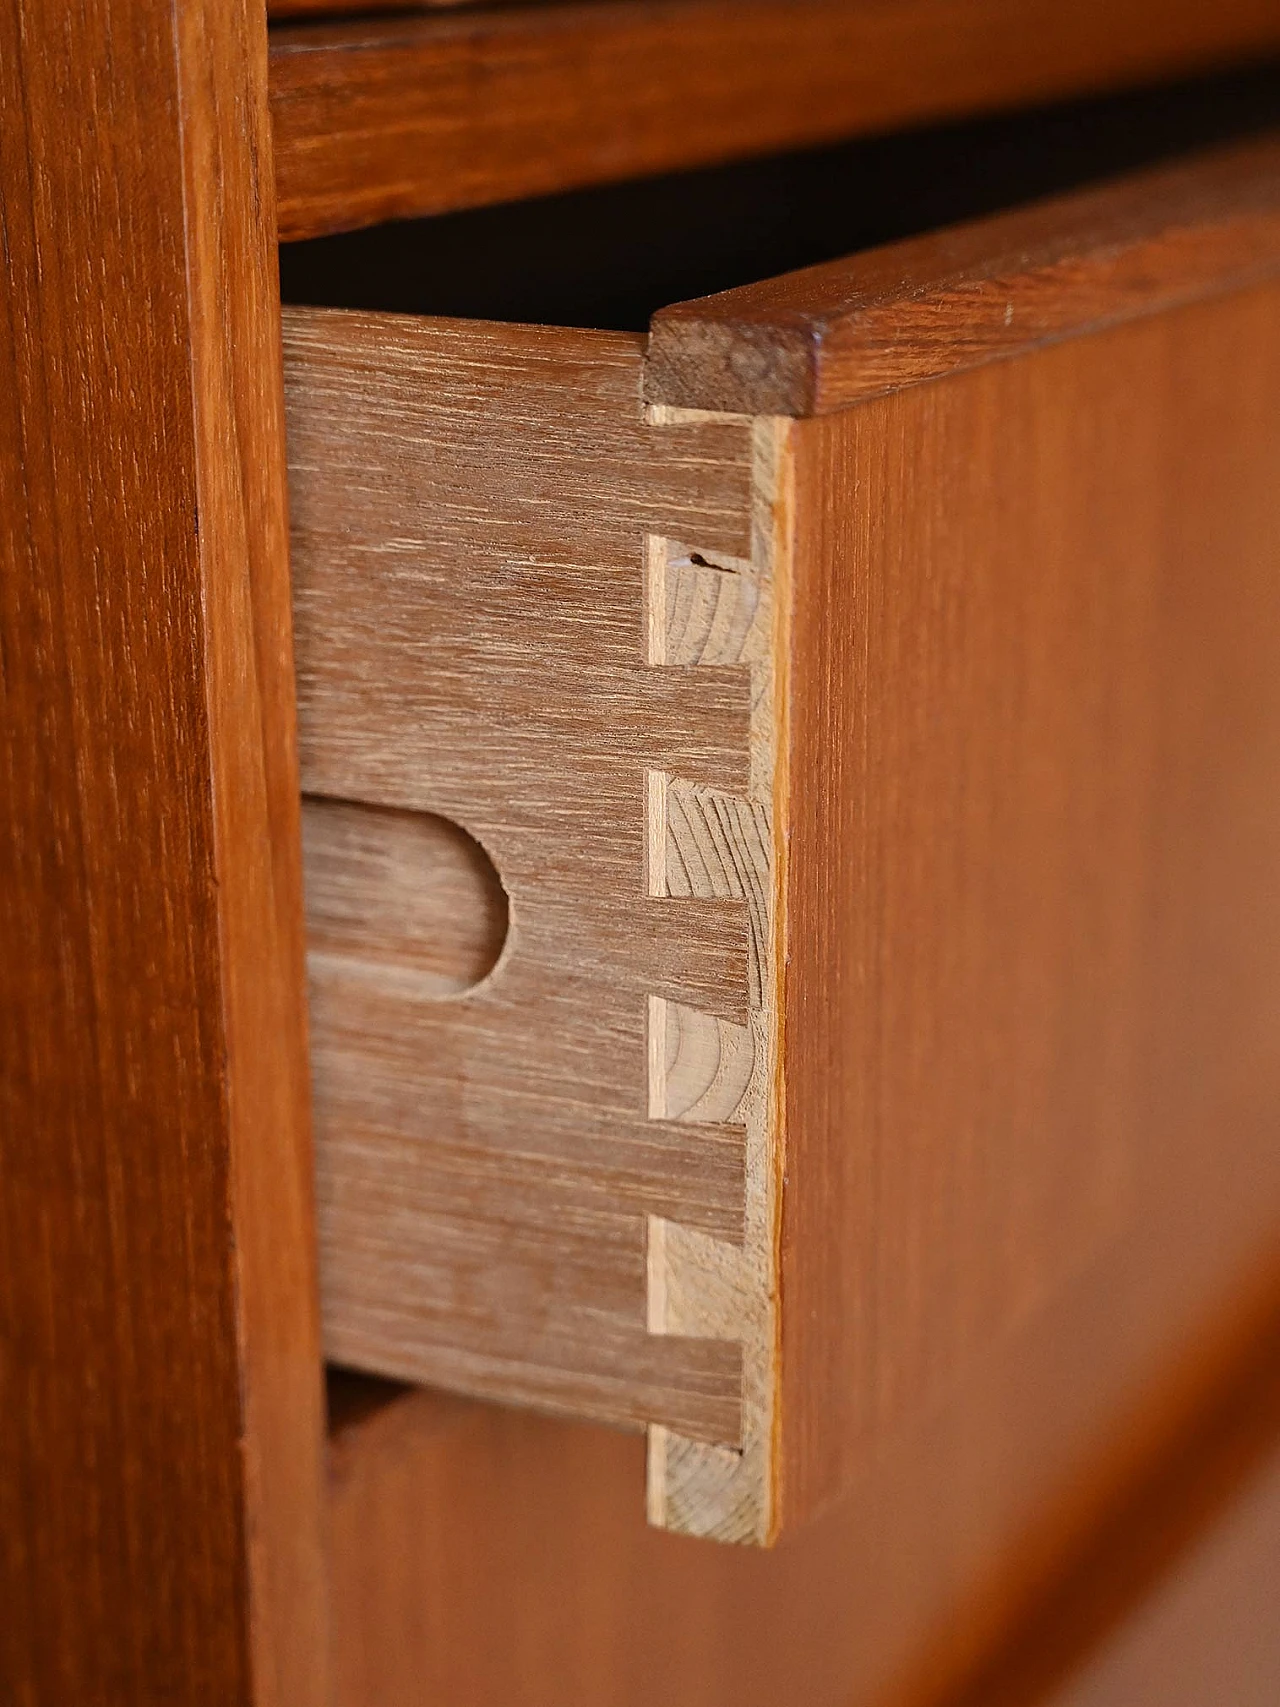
399, 116
349, 8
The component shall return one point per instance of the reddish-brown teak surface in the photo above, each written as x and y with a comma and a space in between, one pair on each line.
383, 118
161, 1425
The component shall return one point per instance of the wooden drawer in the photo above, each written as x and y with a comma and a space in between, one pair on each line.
792, 830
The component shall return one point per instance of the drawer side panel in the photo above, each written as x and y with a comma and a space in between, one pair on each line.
476, 514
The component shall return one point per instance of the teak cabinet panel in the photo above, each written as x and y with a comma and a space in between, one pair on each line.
486, 1555
880, 762
1207, 1633
1032, 944
391, 117
161, 1400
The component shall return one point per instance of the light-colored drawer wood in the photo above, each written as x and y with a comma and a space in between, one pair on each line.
866, 695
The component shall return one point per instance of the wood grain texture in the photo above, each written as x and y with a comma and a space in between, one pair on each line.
705, 844
404, 891
161, 1433
819, 340
1172, 1599
1033, 949
534, 1580
472, 508
350, 8
397, 117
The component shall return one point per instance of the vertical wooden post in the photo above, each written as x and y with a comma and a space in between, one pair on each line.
160, 1397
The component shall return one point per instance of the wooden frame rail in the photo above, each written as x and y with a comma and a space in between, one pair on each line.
404, 115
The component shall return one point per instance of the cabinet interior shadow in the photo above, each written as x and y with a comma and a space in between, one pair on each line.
610, 257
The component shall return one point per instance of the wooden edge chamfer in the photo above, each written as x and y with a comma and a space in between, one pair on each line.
816, 341
705, 843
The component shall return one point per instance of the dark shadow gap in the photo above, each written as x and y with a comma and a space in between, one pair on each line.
611, 257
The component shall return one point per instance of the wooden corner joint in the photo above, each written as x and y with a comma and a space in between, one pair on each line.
705, 843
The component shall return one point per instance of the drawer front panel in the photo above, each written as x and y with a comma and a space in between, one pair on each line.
1033, 924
